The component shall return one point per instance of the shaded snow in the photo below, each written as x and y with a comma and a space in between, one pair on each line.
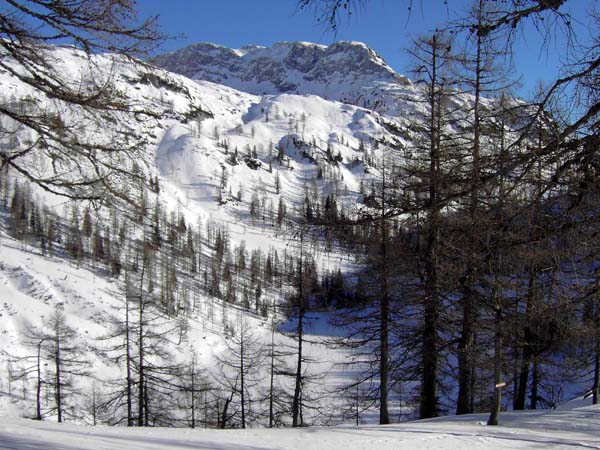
568, 428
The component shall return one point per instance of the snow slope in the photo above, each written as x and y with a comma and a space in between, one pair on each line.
32, 286
567, 428
324, 144
190, 151
192, 162
190, 147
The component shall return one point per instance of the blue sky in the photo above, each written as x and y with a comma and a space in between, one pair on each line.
384, 25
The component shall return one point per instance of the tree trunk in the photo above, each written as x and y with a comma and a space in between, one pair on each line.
465, 351
58, 377
465, 363
428, 405
357, 404
141, 369
38, 396
296, 405
516, 368
384, 416
535, 382
497, 400
223, 423
596, 385
129, 375
428, 397
193, 388
146, 405
141, 375
298, 384
94, 407
521, 394
271, 380
242, 385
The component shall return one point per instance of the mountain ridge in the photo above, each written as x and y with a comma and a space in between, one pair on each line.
346, 71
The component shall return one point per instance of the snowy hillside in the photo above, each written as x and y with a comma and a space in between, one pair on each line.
216, 150
237, 151
574, 427
223, 161
33, 287
263, 149
159, 295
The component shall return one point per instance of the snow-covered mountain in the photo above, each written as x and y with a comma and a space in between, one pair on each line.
295, 122
224, 160
257, 138
348, 72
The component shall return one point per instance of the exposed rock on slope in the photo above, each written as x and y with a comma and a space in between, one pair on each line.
349, 72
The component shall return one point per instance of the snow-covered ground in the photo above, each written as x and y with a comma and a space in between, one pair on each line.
33, 285
570, 427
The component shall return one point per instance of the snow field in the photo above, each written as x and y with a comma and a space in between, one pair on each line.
562, 429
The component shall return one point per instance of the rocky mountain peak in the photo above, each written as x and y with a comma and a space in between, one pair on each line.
346, 71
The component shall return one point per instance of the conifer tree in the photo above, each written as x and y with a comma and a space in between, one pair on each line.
239, 371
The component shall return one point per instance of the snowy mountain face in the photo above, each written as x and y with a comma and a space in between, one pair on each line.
217, 150
258, 125
226, 163
349, 72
